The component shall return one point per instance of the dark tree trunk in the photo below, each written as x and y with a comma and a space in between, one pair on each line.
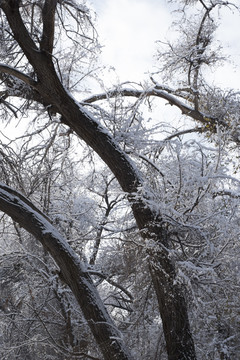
173, 309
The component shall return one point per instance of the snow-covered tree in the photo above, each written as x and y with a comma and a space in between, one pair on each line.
145, 237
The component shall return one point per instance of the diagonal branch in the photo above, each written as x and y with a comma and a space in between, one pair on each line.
21, 35
74, 273
6, 69
110, 281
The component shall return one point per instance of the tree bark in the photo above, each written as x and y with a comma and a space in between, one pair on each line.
179, 342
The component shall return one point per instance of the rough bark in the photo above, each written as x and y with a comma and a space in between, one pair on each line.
179, 342
172, 305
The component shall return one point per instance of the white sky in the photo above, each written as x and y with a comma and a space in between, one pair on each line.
128, 30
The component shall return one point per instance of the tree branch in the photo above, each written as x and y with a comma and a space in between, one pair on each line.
74, 272
21, 35
110, 281
229, 193
6, 69
205, 119
25, 88
173, 100
48, 17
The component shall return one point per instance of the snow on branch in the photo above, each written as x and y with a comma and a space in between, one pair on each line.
155, 91
6, 69
73, 271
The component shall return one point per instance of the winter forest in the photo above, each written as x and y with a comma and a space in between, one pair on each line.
119, 227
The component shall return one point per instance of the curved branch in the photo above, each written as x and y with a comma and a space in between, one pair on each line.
229, 193
6, 69
73, 271
198, 129
173, 100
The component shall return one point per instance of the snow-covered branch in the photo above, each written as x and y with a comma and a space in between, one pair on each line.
6, 69
164, 94
72, 270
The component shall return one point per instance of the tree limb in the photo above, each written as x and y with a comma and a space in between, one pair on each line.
207, 120
110, 281
74, 272
21, 35
6, 69
173, 100
48, 17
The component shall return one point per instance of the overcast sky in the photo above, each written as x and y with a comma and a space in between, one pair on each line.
129, 29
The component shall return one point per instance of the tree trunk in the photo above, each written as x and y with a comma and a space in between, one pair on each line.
173, 310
